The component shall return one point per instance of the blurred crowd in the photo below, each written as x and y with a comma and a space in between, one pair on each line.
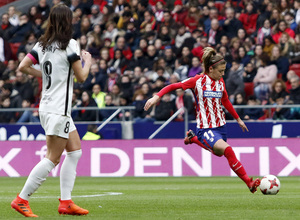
140, 46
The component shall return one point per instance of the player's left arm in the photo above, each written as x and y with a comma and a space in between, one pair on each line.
26, 67
155, 99
185, 84
227, 104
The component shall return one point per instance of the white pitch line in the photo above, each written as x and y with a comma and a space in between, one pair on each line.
82, 196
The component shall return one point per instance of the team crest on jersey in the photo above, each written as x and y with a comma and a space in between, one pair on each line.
212, 94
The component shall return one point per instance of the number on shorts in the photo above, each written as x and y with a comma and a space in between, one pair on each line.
67, 127
209, 135
48, 71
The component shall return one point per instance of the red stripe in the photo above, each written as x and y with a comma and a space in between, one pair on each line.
214, 102
207, 145
222, 119
34, 61
203, 85
208, 112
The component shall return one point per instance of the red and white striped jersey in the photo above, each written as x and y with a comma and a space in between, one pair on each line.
208, 95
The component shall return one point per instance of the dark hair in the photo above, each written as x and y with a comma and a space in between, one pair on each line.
59, 27
211, 58
265, 58
8, 86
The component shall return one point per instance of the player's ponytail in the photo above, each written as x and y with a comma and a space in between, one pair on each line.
210, 58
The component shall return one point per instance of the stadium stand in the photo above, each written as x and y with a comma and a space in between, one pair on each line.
158, 48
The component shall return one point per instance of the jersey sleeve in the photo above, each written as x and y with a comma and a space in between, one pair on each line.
33, 54
190, 82
227, 104
169, 88
185, 84
73, 51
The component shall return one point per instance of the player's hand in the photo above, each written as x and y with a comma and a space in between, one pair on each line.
86, 56
152, 101
242, 125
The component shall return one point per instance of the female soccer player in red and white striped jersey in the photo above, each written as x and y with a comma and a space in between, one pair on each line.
210, 94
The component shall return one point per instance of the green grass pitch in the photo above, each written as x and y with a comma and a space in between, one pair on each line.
159, 198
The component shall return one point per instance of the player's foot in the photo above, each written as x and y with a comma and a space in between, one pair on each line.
22, 206
189, 135
254, 184
67, 207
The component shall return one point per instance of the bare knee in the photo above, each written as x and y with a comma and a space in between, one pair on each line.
54, 160
218, 152
219, 148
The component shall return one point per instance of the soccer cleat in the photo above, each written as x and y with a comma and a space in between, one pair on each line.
254, 184
189, 135
22, 206
67, 207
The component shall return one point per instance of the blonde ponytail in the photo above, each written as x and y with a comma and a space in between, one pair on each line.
211, 58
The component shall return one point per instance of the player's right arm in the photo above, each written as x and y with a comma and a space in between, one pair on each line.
80, 72
26, 67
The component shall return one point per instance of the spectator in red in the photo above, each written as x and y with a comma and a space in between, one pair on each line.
149, 18
249, 19
280, 28
121, 45
179, 12
192, 18
200, 45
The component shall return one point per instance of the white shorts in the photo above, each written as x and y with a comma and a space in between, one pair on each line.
55, 124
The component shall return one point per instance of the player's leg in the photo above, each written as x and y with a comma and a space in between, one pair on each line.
55, 147
192, 138
222, 148
68, 176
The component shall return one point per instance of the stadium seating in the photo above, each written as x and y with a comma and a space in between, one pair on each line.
249, 89
296, 68
5, 2
14, 49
